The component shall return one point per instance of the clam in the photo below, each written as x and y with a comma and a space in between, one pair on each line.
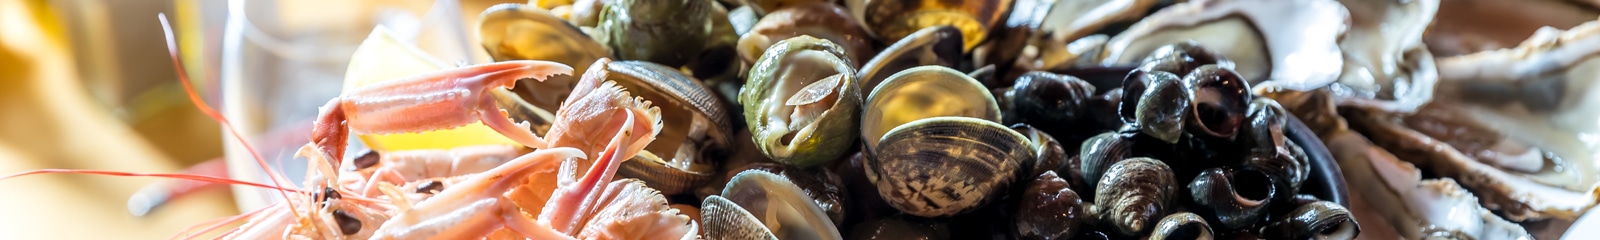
1100, 152
667, 32
942, 166
695, 127
1294, 43
1317, 220
1134, 193
923, 92
762, 205
1183, 226
1049, 209
936, 45
820, 184
727, 220
1384, 57
520, 32
802, 102
813, 18
1234, 198
893, 20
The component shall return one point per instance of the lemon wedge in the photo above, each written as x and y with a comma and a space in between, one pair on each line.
382, 57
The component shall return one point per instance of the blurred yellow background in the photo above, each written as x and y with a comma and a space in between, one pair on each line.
88, 85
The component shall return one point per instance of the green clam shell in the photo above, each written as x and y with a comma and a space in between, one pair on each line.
767, 114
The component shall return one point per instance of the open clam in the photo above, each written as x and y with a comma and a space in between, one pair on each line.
1294, 43
802, 101
520, 32
923, 92
761, 205
695, 127
937, 45
934, 145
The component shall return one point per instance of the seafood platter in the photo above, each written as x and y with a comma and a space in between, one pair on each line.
976, 119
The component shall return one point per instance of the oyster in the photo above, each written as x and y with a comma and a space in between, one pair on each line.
520, 32
1413, 207
1262, 37
778, 209
1383, 53
695, 127
802, 102
1513, 125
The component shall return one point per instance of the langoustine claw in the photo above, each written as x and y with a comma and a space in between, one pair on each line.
440, 100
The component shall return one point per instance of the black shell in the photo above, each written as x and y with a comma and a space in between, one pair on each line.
1318, 220
1219, 97
1233, 198
1049, 209
1133, 194
1098, 154
1182, 226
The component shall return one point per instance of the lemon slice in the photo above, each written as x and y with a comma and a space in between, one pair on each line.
382, 57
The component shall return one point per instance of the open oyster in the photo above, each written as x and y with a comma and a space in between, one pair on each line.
1263, 37
1384, 57
1414, 208
1516, 125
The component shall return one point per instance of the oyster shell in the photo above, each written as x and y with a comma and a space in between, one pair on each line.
1383, 53
1514, 125
1262, 37
1413, 207
802, 102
